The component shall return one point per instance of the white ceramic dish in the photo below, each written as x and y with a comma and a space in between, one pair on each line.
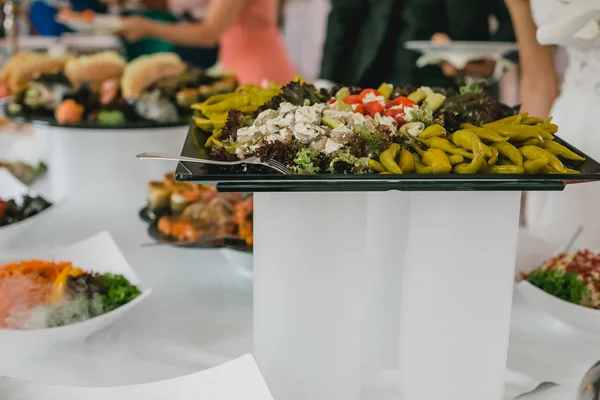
534, 253
239, 379
101, 24
459, 53
98, 253
12, 188
583, 318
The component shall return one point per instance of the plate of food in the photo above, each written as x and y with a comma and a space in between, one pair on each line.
459, 53
102, 91
567, 287
190, 215
87, 21
64, 295
20, 69
376, 139
19, 207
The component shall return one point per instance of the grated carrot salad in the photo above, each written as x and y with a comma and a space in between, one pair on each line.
27, 284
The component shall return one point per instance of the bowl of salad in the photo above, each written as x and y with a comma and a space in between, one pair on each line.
567, 287
64, 295
19, 207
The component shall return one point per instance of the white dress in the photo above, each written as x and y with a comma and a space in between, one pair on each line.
556, 216
305, 25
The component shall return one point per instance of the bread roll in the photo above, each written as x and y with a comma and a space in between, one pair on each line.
144, 71
23, 66
95, 68
13, 63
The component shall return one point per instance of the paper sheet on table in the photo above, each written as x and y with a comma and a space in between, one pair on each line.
239, 379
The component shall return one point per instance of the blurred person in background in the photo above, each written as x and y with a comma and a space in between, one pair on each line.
170, 11
305, 24
43, 15
555, 217
246, 31
365, 39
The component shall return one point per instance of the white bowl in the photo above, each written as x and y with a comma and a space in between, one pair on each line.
532, 253
12, 188
583, 318
459, 53
239, 379
98, 253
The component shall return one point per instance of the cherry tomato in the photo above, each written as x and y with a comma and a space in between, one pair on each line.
360, 109
367, 91
403, 101
373, 107
331, 100
396, 113
353, 99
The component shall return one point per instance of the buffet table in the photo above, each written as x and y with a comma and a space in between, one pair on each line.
213, 322
201, 312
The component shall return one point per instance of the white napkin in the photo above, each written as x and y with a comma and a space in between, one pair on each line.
236, 380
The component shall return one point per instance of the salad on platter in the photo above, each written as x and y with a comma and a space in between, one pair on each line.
103, 90
389, 130
192, 215
573, 277
17, 210
38, 294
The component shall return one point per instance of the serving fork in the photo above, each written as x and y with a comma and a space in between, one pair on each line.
273, 164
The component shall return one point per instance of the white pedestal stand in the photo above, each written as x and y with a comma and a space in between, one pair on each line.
387, 237
90, 160
456, 295
332, 268
309, 284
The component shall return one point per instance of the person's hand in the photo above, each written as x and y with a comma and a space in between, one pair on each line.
476, 69
135, 28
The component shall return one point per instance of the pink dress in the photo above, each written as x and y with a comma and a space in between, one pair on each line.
252, 47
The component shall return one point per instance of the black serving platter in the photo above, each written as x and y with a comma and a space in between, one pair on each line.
140, 124
209, 242
149, 216
256, 178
